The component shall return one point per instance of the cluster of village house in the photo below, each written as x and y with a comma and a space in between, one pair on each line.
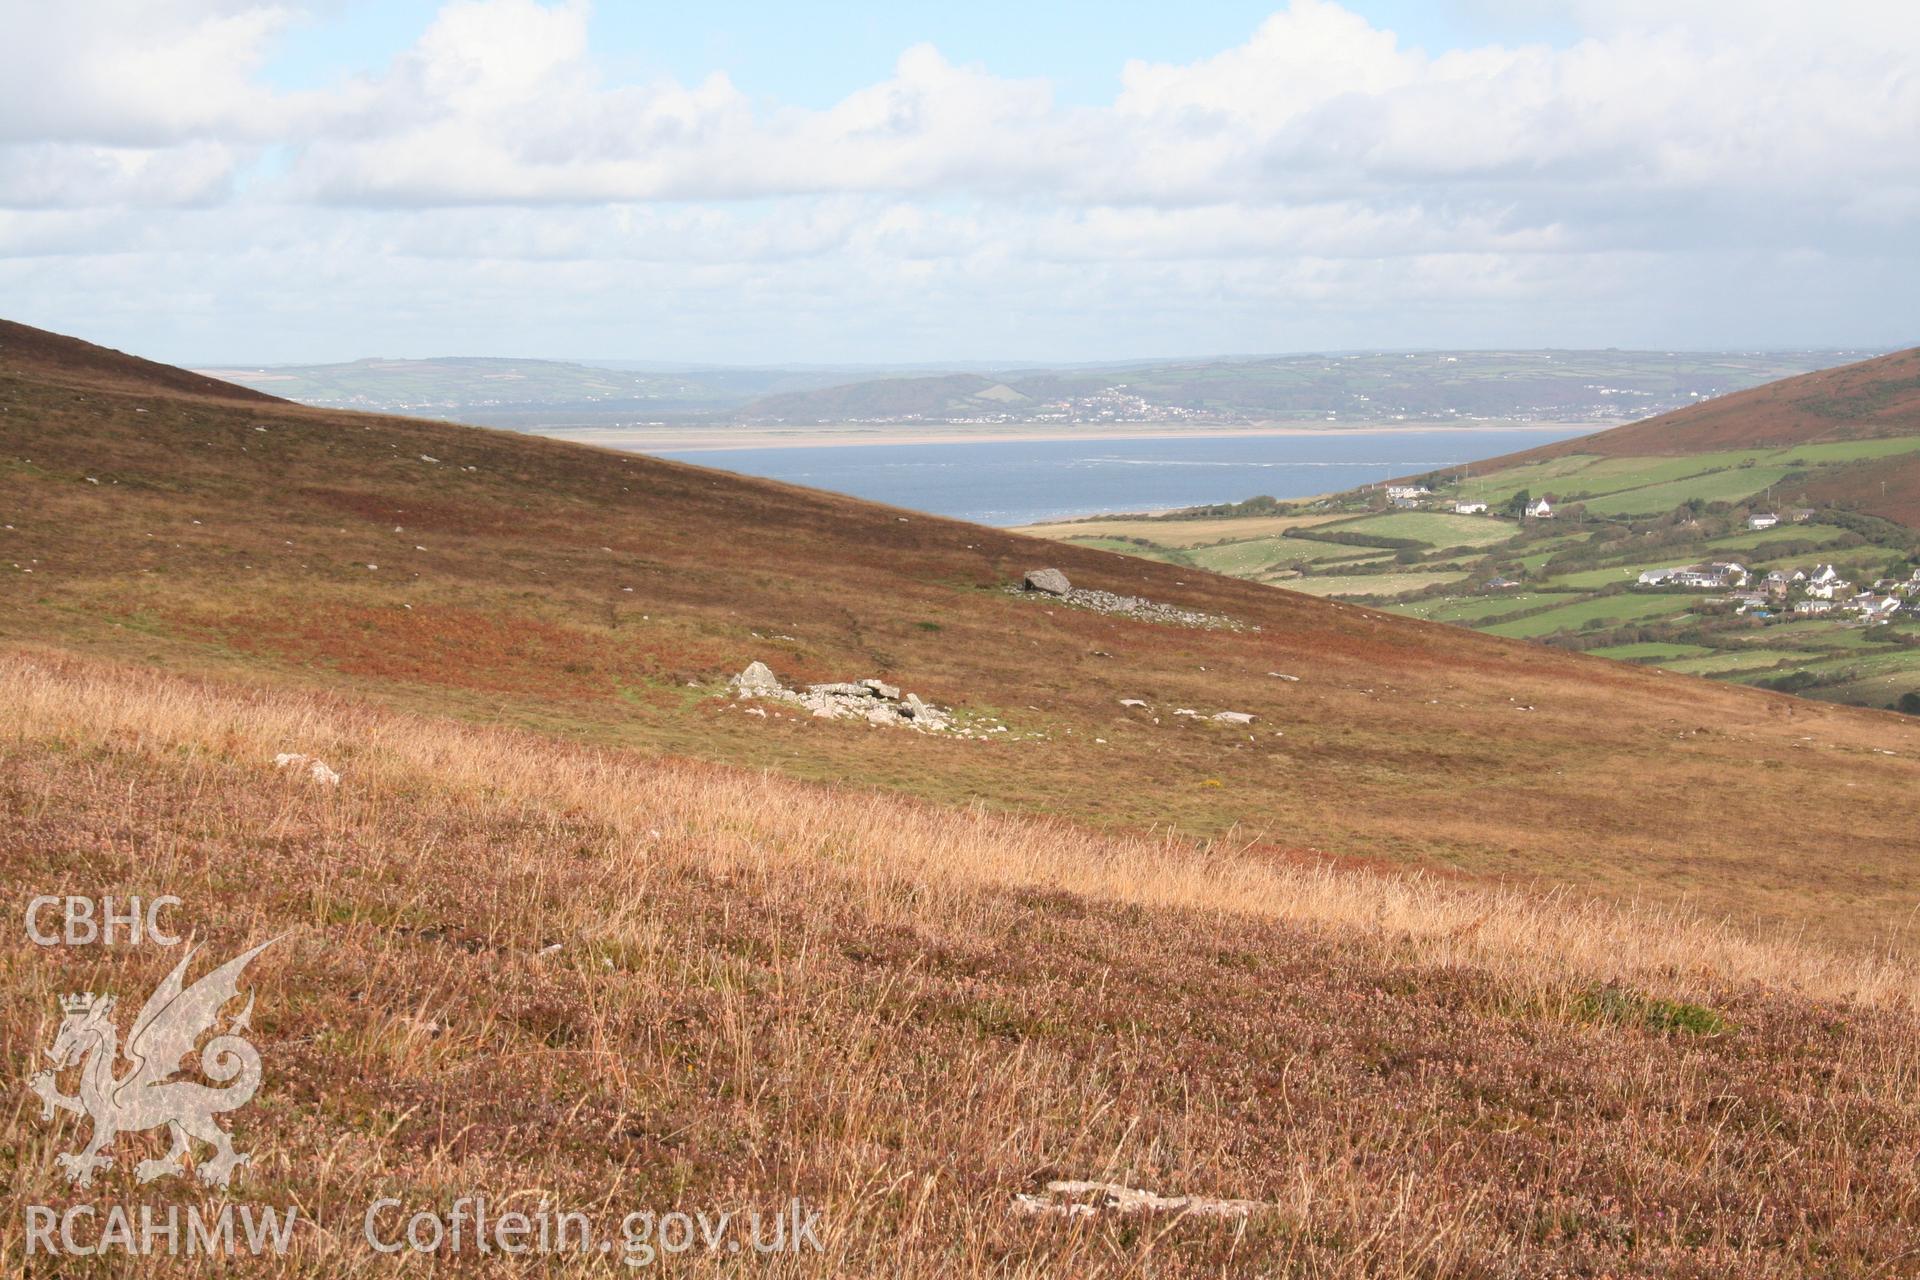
1820, 591
1814, 593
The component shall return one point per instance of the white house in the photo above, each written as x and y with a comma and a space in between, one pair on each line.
1871, 607
1807, 608
1409, 492
1469, 508
1825, 583
1539, 510
1706, 576
1766, 521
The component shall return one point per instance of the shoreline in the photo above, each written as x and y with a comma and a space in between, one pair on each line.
725, 440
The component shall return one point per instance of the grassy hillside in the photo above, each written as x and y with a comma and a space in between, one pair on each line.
575, 927
605, 981
607, 596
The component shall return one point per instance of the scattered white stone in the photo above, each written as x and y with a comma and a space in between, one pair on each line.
1281, 676
314, 769
1136, 607
427, 457
872, 700
1233, 717
1133, 702
1092, 1199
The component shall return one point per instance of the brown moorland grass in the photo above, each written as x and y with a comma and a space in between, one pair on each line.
541, 971
533, 583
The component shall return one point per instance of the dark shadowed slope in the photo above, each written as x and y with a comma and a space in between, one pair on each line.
56, 358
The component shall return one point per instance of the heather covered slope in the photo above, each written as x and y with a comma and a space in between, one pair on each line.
603, 596
517, 968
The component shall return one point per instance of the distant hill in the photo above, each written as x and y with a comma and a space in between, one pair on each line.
947, 396
1373, 387
1318, 389
517, 392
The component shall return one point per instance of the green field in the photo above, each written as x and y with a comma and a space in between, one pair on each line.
1719, 486
1126, 548
1572, 617
1651, 650
1434, 528
1848, 451
1739, 660
1618, 517
1760, 539
1591, 579
1370, 584
1245, 559
1502, 485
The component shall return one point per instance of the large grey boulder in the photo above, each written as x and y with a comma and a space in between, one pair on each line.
757, 681
1051, 581
881, 689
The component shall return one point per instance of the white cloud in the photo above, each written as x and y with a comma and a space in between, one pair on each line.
1322, 168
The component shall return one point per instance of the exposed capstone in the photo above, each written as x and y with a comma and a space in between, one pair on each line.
1051, 581
842, 689
881, 689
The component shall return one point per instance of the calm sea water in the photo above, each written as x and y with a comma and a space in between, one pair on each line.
1026, 481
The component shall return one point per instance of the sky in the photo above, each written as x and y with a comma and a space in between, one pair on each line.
212, 182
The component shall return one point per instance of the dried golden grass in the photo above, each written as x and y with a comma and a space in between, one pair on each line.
906, 861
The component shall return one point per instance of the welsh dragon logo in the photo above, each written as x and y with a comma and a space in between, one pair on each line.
146, 1096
